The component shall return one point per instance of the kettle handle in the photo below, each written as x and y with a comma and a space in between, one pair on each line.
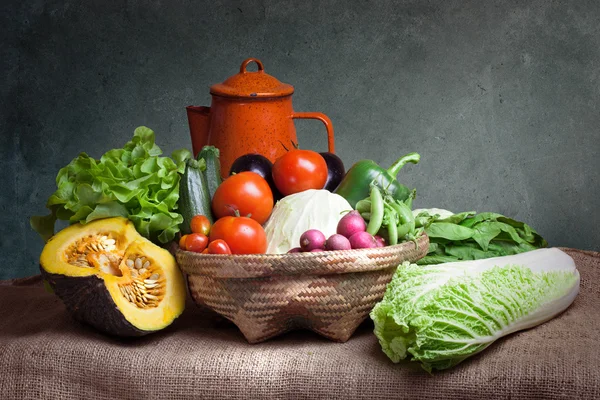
248, 61
325, 120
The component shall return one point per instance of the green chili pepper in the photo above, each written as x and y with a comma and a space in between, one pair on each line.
356, 183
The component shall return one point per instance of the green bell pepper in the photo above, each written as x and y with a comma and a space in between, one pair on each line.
355, 185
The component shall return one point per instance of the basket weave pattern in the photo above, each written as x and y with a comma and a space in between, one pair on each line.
265, 295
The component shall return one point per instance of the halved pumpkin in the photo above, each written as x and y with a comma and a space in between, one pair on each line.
114, 279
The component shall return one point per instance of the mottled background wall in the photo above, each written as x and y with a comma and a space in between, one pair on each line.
501, 99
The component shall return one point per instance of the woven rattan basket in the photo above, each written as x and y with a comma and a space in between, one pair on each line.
265, 295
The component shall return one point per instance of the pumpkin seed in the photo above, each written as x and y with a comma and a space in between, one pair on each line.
143, 293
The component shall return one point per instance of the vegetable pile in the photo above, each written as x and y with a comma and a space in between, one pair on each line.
301, 204
484, 276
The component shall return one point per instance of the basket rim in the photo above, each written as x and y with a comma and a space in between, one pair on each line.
247, 265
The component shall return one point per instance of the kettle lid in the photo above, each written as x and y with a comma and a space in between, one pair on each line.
252, 84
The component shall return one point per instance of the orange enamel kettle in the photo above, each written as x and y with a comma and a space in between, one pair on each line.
251, 112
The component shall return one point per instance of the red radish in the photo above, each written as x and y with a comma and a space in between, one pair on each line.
316, 250
337, 242
295, 250
312, 239
351, 223
380, 241
362, 240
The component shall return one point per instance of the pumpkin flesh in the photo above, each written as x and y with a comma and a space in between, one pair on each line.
112, 278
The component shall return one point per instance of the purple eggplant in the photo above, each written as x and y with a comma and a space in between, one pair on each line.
335, 171
259, 164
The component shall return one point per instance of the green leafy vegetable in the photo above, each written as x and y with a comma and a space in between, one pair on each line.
133, 182
441, 314
472, 236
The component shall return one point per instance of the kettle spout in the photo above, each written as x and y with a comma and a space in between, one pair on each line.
199, 121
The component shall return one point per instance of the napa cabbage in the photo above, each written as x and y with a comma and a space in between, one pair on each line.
439, 315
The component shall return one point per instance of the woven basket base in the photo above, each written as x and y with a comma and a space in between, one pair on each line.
282, 294
332, 306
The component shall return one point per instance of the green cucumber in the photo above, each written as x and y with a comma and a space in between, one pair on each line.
210, 154
194, 195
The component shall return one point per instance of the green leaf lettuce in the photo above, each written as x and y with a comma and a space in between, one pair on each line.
133, 182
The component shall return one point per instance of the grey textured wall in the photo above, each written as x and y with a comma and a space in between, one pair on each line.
501, 99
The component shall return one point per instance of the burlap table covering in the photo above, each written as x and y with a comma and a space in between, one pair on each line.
45, 354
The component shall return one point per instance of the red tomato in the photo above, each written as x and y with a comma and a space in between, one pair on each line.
243, 235
196, 242
247, 192
299, 170
182, 242
200, 224
218, 246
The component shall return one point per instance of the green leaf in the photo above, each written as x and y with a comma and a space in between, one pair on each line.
48, 287
107, 210
81, 214
181, 156
485, 232
448, 231
506, 248
433, 247
511, 232
470, 251
44, 225
457, 218
484, 216
436, 259
525, 231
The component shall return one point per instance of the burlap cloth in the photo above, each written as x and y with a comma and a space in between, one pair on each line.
45, 354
